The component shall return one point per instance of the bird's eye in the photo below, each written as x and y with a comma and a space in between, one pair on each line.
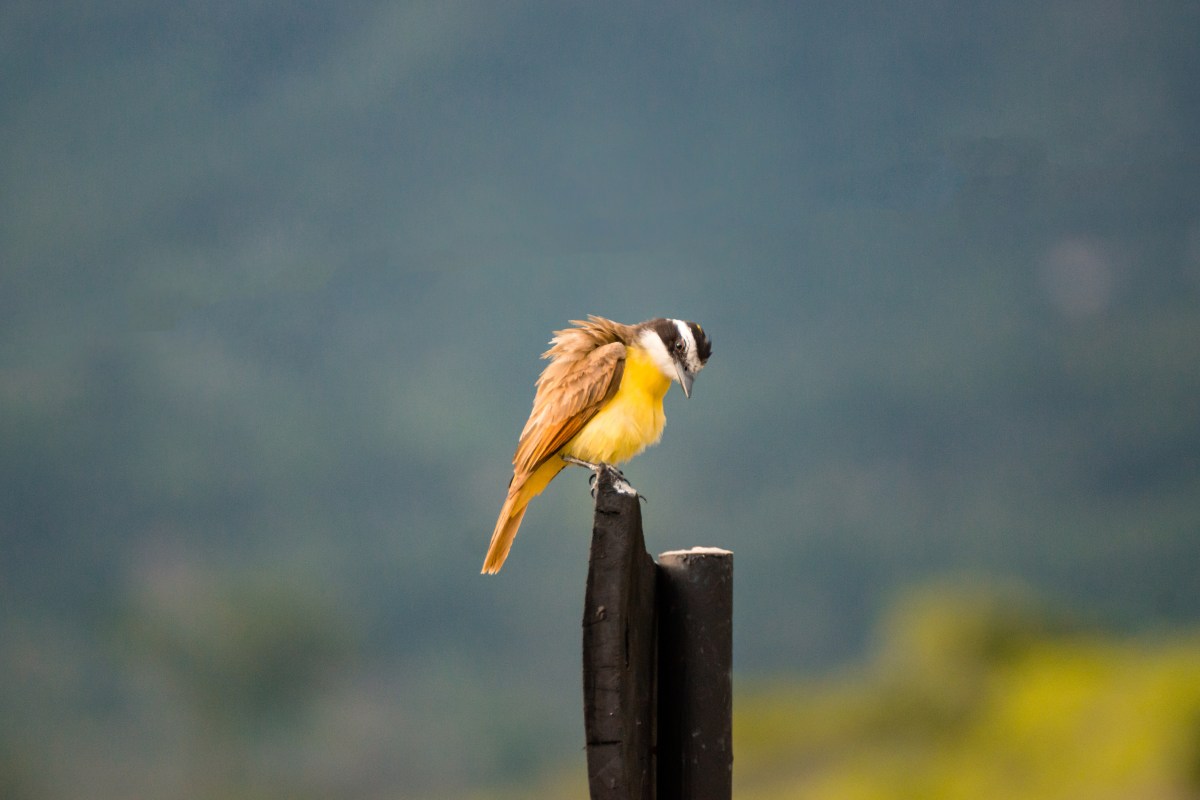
679, 345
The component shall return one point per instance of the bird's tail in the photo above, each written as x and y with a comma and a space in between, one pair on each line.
502, 537
520, 492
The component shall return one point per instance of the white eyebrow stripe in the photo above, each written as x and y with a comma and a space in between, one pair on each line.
691, 359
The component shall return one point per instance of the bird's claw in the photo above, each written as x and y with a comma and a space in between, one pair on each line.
619, 479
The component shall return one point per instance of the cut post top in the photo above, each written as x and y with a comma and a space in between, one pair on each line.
697, 551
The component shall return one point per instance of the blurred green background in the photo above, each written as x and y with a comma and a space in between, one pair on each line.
273, 282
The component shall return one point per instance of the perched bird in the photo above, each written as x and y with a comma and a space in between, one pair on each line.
599, 401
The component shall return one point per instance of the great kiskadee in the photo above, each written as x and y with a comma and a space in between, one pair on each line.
599, 401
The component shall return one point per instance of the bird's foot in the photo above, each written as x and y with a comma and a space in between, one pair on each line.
579, 462
619, 482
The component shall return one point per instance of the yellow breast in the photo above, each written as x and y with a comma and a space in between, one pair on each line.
631, 421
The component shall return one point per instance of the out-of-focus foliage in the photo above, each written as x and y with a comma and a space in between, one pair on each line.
981, 696
974, 693
244, 653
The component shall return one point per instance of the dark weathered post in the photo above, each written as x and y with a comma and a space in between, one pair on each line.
618, 648
695, 685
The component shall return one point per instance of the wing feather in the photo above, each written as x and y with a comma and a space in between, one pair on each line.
569, 393
585, 370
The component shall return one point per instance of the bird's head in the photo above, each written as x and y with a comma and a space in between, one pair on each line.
679, 348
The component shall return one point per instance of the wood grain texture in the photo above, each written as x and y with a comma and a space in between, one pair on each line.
695, 684
619, 650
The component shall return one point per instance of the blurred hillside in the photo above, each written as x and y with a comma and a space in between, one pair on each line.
274, 277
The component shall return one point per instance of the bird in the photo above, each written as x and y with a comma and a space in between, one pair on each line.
598, 403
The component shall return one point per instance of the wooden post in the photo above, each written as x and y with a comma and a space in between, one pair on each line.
618, 648
695, 687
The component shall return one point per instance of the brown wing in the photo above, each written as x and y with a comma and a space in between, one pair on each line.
567, 397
